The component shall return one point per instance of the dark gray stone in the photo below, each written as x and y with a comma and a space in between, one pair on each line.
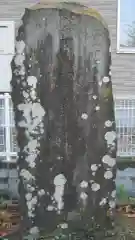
64, 114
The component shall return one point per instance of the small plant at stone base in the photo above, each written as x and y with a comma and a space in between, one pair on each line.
63, 232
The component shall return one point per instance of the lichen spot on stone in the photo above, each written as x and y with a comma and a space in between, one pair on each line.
34, 200
20, 46
91, 181
94, 167
97, 108
30, 188
84, 116
41, 192
50, 208
22, 71
34, 231
19, 59
83, 196
37, 112
108, 123
63, 225
33, 94
24, 84
59, 180
31, 214
32, 145
84, 184
32, 164
25, 94
113, 194
94, 97
103, 202
22, 124
28, 196
95, 187
106, 79
108, 174
25, 174
110, 137
112, 204
32, 81
111, 162
100, 83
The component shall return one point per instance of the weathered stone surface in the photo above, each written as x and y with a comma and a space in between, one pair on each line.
63, 103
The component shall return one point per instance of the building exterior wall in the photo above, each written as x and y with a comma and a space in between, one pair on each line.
123, 70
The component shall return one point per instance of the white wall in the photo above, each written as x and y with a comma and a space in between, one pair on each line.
5, 72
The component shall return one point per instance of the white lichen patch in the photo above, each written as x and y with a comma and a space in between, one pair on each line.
19, 59
84, 184
32, 122
24, 84
111, 162
30, 188
103, 202
26, 109
63, 225
108, 123
97, 108
41, 192
100, 83
34, 231
108, 174
106, 79
20, 46
32, 164
31, 204
28, 196
22, 124
84, 116
26, 175
32, 81
22, 70
50, 208
25, 94
91, 181
110, 137
94, 167
94, 97
34, 200
95, 187
112, 204
110, 73
37, 111
83, 196
32, 145
30, 159
31, 214
113, 194
33, 94
59, 182
110, 49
